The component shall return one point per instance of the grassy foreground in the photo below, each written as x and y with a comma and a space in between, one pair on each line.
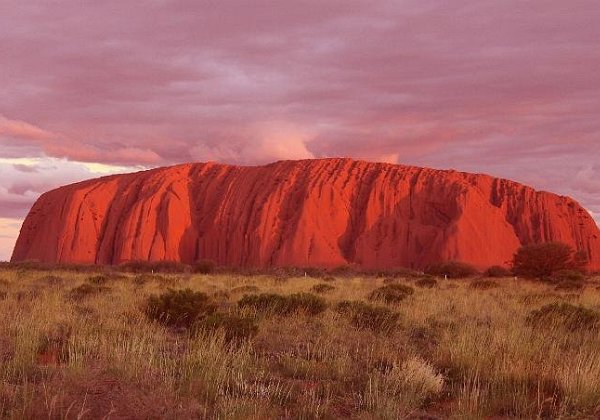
445, 348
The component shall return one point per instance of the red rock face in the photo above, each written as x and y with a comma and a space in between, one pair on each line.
323, 213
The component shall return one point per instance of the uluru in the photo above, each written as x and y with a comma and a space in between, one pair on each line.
321, 212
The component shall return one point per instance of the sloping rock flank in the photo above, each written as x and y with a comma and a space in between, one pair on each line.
326, 213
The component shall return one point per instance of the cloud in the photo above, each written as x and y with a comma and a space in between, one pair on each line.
23, 130
503, 87
266, 143
25, 179
9, 230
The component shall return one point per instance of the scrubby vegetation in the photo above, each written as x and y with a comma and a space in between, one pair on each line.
391, 293
204, 267
192, 345
483, 284
427, 282
497, 271
284, 305
322, 288
544, 260
451, 269
235, 327
365, 316
179, 308
565, 315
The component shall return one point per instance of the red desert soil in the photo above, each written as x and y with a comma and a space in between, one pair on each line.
327, 213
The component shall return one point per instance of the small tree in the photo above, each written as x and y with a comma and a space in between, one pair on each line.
542, 260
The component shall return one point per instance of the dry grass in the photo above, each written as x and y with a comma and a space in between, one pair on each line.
80, 345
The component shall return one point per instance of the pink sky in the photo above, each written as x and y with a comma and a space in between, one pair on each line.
510, 88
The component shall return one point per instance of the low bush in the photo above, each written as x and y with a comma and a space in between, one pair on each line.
314, 272
245, 289
452, 269
406, 273
427, 282
142, 279
284, 305
179, 308
283, 273
364, 316
154, 267
570, 286
415, 381
51, 280
235, 327
569, 316
101, 279
86, 290
391, 293
482, 284
42, 266
221, 295
345, 271
568, 276
497, 271
203, 267
329, 279
322, 288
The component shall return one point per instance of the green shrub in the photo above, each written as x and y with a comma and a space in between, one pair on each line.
179, 308
284, 305
322, 288
364, 316
264, 302
545, 259
452, 269
427, 282
391, 293
235, 327
497, 271
86, 290
203, 267
482, 284
569, 316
